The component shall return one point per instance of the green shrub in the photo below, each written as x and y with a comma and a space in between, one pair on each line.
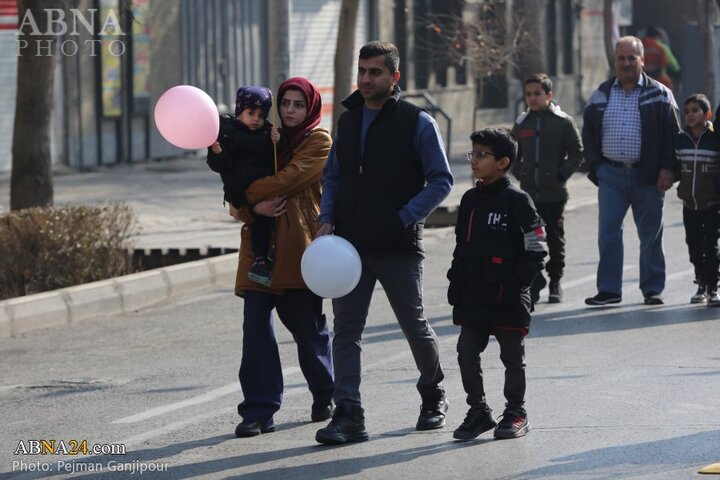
44, 249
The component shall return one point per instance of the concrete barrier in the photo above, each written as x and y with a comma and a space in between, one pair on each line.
93, 300
41, 310
224, 270
186, 277
143, 289
106, 298
5, 323
442, 217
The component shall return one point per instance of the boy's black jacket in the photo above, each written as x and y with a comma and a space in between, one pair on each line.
698, 168
246, 156
500, 246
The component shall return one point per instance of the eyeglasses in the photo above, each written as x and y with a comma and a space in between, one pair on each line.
478, 156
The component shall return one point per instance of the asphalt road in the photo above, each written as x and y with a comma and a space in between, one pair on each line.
613, 393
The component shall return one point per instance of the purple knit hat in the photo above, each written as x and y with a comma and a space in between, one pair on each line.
253, 97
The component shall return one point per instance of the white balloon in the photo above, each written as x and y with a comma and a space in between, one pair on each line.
331, 266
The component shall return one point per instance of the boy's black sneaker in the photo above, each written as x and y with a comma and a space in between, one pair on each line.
347, 425
699, 296
432, 414
478, 420
514, 424
260, 272
248, 428
653, 298
556, 293
604, 298
713, 299
537, 285
321, 412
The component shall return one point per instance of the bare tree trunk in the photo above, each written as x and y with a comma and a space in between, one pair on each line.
706, 11
278, 42
344, 55
31, 182
608, 33
531, 58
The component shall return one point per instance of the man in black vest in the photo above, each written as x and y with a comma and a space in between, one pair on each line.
386, 173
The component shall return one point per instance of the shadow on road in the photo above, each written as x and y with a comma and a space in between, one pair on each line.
622, 461
608, 319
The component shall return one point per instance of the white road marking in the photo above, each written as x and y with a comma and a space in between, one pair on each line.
234, 387
210, 396
588, 278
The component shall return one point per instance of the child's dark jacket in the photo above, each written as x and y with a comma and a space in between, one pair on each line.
500, 246
549, 151
699, 167
246, 156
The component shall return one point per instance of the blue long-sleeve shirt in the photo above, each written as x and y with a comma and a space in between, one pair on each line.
428, 143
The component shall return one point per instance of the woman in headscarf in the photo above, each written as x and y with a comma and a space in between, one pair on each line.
292, 197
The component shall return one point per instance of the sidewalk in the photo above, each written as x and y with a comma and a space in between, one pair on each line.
178, 204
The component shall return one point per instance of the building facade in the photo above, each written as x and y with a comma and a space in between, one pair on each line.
118, 56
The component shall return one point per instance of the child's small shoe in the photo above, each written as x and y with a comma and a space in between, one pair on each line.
260, 271
514, 424
699, 296
478, 420
713, 299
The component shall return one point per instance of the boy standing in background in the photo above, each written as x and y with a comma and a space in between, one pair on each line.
550, 150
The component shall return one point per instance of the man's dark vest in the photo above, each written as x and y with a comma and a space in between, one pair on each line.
374, 188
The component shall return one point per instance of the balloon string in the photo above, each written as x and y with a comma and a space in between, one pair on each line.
274, 144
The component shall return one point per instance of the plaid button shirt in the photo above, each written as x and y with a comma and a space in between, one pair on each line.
621, 126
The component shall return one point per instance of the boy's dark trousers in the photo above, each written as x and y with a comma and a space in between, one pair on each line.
471, 343
260, 234
552, 215
701, 236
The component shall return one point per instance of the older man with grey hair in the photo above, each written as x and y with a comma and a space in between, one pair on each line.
629, 123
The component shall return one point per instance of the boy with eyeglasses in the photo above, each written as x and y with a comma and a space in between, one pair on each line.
500, 246
550, 150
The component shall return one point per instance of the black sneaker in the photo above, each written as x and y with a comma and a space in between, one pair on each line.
699, 296
537, 285
320, 413
514, 424
432, 414
347, 425
556, 293
248, 428
604, 298
260, 272
713, 299
478, 420
653, 298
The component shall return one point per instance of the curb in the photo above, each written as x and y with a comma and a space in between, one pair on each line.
124, 294
442, 217
130, 293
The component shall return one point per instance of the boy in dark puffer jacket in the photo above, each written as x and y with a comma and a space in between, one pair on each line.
242, 154
698, 151
500, 246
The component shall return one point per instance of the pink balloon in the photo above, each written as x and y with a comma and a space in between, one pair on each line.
187, 117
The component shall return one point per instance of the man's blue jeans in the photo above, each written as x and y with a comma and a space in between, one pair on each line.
620, 190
